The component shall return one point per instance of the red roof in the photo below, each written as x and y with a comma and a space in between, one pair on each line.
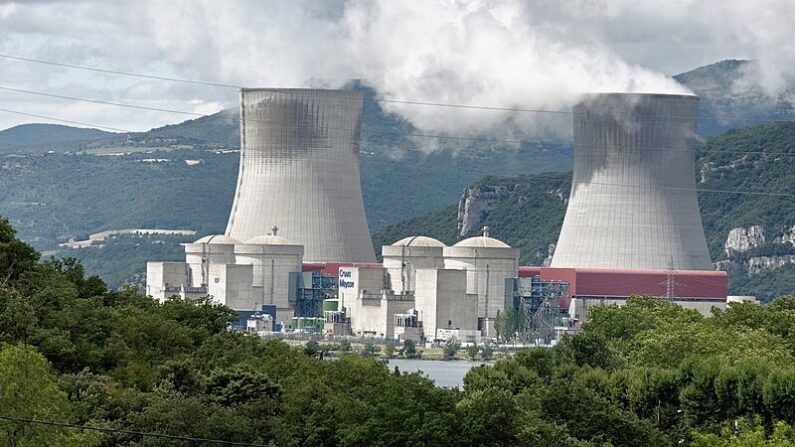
622, 283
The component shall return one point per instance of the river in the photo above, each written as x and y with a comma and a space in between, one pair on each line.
445, 374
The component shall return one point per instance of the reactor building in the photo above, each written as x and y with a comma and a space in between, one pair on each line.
297, 253
299, 172
633, 201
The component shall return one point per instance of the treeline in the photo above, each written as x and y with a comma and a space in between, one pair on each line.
647, 374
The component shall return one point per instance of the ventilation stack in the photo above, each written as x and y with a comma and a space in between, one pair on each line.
633, 202
299, 171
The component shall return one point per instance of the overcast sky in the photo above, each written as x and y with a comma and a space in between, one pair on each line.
520, 53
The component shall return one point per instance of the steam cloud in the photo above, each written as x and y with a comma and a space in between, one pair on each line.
512, 53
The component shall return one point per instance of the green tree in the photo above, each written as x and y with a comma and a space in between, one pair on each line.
16, 257
409, 349
486, 352
472, 351
369, 349
451, 347
28, 390
311, 348
17, 316
389, 349
345, 345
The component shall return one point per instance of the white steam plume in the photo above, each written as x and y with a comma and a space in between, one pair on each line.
538, 54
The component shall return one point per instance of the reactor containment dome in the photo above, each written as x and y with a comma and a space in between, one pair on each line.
633, 201
299, 171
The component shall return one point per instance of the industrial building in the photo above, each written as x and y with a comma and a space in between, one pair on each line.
488, 262
586, 287
299, 171
297, 253
633, 201
243, 276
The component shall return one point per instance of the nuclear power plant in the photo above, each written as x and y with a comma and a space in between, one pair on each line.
299, 172
633, 201
297, 253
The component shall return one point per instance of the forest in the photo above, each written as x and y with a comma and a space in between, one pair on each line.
84, 366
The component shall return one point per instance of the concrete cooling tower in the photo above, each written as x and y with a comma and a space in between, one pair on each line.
299, 171
633, 203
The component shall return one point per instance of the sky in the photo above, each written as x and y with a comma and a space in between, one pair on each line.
511, 53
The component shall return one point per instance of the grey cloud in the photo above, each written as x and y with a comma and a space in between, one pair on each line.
513, 53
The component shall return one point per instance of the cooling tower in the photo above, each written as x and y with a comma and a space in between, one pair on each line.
633, 202
299, 171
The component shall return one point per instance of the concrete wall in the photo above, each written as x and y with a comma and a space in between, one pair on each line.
231, 285
214, 254
403, 278
164, 279
299, 170
633, 201
354, 280
443, 302
485, 276
271, 268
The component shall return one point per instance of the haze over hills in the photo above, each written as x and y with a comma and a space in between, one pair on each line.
183, 175
730, 92
732, 96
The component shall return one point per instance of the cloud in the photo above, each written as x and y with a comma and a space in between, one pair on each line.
533, 55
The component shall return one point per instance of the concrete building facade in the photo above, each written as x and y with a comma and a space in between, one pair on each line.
442, 302
242, 276
488, 262
299, 171
405, 256
633, 201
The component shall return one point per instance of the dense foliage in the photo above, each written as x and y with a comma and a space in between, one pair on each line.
649, 373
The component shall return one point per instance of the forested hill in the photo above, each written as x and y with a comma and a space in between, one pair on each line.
751, 235
732, 96
27, 138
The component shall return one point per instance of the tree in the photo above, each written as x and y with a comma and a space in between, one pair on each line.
345, 345
451, 347
486, 352
472, 351
17, 316
369, 349
311, 348
409, 349
389, 349
28, 390
16, 257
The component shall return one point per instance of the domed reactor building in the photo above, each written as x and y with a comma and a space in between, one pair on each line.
633, 201
299, 172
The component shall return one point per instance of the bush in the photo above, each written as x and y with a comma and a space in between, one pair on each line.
451, 347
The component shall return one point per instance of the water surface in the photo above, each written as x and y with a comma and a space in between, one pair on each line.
446, 374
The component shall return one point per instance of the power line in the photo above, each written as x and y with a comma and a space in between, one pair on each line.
128, 432
708, 190
119, 72
381, 100
97, 101
79, 123
540, 144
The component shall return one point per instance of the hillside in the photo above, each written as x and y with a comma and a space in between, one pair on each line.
732, 96
182, 176
750, 235
37, 138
